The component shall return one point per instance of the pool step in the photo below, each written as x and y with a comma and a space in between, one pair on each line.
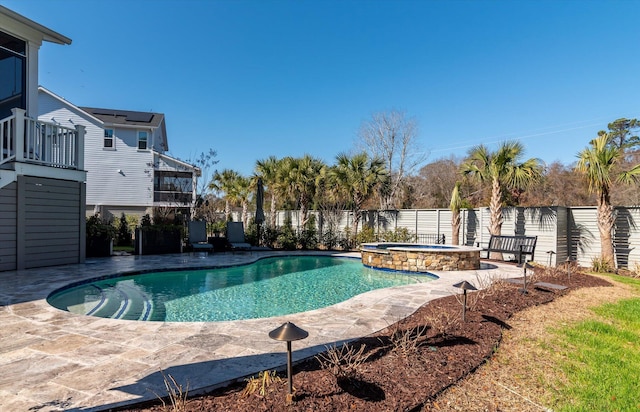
138, 305
158, 312
127, 303
109, 306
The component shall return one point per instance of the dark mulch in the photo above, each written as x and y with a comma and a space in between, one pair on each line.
393, 379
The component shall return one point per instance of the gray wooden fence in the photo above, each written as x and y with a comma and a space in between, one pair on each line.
561, 231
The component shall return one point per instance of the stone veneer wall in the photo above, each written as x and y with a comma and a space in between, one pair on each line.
421, 261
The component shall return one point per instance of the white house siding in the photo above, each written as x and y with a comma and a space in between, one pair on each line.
122, 176
158, 137
117, 179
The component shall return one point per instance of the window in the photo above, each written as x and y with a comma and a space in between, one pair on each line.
142, 140
108, 138
12, 74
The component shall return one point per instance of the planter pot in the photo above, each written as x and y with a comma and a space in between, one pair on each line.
157, 242
99, 246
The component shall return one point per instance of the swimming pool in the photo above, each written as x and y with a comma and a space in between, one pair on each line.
266, 288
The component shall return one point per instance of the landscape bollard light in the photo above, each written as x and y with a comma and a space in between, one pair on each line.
550, 253
525, 266
465, 286
288, 332
569, 260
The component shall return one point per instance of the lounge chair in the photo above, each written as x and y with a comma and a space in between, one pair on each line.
235, 236
198, 236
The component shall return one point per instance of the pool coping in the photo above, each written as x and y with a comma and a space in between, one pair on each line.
54, 360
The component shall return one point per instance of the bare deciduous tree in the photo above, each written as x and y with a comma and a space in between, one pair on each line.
393, 137
434, 183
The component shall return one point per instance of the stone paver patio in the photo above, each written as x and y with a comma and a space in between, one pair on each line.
53, 360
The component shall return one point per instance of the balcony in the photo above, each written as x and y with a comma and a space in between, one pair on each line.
173, 188
172, 198
27, 140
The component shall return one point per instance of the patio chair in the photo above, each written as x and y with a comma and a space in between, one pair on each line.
198, 236
235, 236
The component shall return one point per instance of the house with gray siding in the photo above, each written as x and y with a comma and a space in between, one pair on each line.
124, 156
42, 189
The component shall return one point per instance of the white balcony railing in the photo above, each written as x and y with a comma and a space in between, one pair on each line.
27, 140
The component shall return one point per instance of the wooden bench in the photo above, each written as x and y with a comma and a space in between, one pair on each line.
517, 245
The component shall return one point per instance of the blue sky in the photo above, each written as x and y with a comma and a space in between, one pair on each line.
252, 79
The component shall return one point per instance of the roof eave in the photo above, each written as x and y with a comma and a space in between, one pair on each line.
47, 34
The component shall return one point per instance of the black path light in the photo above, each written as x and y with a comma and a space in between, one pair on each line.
525, 266
288, 332
465, 286
550, 253
568, 261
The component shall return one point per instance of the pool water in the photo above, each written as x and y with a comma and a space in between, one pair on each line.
268, 287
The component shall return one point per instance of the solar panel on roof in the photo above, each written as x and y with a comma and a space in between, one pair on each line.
104, 113
139, 117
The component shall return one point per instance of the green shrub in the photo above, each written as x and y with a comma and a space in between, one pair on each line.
287, 238
99, 228
161, 225
366, 235
145, 221
329, 239
251, 233
601, 265
270, 236
124, 232
308, 238
346, 243
218, 226
401, 234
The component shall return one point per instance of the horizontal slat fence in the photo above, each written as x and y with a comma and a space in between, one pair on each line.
562, 232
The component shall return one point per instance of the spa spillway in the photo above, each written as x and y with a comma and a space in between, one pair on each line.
415, 257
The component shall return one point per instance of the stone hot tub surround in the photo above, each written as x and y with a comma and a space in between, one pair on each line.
419, 257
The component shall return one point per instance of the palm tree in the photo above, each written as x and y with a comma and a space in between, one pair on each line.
358, 177
298, 179
225, 182
596, 163
455, 205
241, 193
504, 171
268, 170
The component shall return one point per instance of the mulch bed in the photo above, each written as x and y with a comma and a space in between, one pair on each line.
408, 363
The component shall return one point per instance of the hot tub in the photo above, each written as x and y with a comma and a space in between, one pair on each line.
419, 257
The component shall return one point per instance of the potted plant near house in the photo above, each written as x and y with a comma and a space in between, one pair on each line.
100, 234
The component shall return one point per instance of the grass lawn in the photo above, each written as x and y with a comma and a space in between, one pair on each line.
600, 358
123, 249
578, 353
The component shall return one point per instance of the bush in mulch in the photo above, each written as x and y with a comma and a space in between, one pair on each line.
402, 366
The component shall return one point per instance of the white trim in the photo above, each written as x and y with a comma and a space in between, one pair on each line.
28, 169
71, 105
45, 33
146, 148
173, 159
113, 139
